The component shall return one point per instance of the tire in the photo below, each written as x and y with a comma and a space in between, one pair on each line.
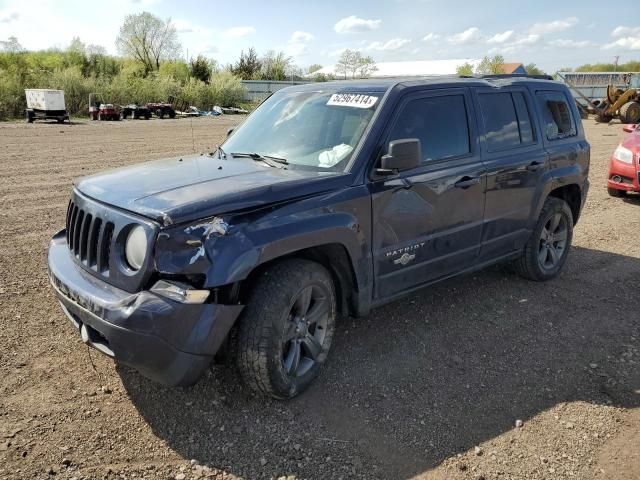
160, 113
276, 311
630, 112
543, 256
30, 117
147, 116
603, 118
172, 114
614, 192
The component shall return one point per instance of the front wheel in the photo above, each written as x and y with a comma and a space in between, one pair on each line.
603, 118
614, 192
285, 332
546, 251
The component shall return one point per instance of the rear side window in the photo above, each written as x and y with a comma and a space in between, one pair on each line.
557, 115
440, 123
506, 118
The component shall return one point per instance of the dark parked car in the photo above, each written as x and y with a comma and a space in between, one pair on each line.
329, 199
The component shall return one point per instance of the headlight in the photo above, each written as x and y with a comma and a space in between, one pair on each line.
623, 154
136, 247
180, 292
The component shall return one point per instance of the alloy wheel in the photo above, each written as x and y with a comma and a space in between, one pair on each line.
305, 330
553, 241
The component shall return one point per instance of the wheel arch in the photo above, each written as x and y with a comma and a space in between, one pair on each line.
572, 194
333, 256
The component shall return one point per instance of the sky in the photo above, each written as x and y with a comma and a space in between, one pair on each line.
549, 33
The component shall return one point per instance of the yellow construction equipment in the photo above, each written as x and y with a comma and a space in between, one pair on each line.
622, 104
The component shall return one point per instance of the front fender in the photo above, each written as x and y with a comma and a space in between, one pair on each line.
254, 239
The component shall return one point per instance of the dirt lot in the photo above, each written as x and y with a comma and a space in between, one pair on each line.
429, 387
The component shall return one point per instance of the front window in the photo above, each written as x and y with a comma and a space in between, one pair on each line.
314, 130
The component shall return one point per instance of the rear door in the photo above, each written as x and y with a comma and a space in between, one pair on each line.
427, 222
563, 135
515, 160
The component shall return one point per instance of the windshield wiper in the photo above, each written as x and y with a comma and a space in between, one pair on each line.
262, 158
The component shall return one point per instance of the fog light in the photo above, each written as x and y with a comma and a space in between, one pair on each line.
180, 292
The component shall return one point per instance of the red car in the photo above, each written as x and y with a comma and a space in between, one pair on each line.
624, 166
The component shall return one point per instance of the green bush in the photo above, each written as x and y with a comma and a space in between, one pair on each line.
228, 89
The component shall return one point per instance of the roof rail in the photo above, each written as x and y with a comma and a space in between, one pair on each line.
517, 75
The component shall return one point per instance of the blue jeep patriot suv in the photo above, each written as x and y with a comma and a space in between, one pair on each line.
329, 199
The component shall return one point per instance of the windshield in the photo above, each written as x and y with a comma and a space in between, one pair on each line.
317, 130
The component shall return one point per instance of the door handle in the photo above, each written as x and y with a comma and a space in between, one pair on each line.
533, 166
466, 182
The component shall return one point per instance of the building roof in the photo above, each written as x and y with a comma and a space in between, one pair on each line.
511, 68
417, 68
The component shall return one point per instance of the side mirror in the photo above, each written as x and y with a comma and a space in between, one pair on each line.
230, 131
630, 128
403, 154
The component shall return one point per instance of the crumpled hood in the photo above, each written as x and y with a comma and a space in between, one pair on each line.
192, 187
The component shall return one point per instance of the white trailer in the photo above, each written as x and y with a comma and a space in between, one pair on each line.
45, 104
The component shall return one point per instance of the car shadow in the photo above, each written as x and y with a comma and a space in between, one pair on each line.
423, 378
633, 198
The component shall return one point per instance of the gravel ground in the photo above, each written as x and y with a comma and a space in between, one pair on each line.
483, 377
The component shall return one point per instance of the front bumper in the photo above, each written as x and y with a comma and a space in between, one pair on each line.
629, 172
169, 342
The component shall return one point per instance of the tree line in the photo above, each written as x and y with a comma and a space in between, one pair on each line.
150, 68
493, 65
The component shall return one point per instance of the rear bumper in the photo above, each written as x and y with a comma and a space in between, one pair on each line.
169, 342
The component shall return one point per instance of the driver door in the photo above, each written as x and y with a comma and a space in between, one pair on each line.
428, 220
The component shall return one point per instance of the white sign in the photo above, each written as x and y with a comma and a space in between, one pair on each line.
352, 100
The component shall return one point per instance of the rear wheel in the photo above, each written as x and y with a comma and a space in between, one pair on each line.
614, 192
285, 332
30, 117
172, 114
546, 251
159, 113
630, 112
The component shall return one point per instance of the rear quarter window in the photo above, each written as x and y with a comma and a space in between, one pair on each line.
557, 116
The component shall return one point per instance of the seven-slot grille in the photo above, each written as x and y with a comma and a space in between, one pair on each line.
89, 238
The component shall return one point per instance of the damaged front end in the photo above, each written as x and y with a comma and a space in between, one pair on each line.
212, 253
168, 331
